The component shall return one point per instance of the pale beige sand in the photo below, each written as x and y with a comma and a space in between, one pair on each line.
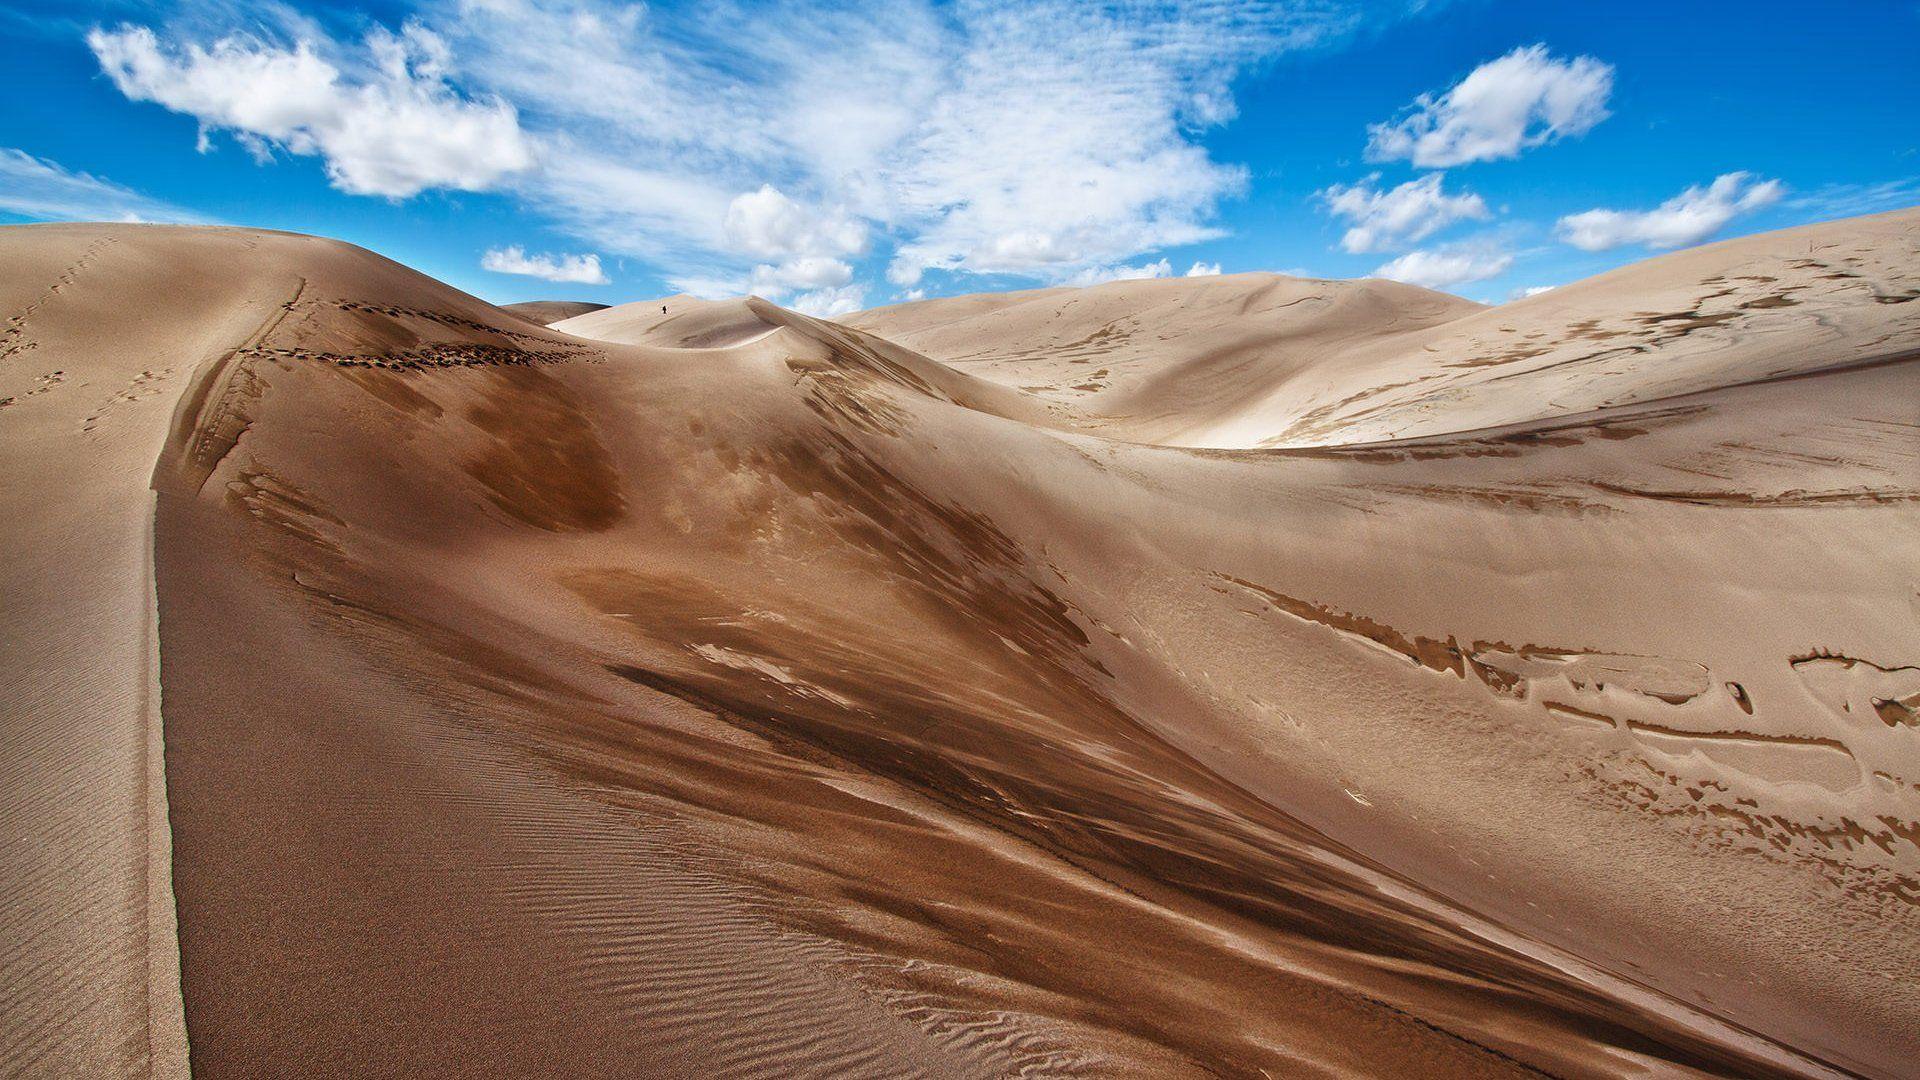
678, 322
89, 981
1260, 360
744, 694
1153, 360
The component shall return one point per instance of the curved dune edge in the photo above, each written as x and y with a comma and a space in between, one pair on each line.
548, 312
895, 696
166, 1010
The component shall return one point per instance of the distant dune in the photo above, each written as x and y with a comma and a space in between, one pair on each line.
548, 312
1234, 676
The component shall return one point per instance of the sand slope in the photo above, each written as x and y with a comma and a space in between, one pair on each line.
88, 966
1260, 360
548, 312
1350, 681
1159, 360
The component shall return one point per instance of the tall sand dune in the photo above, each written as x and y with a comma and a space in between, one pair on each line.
1237, 676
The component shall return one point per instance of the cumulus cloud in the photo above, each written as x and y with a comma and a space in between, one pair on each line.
44, 190
1532, 290
1100, 275
1443, 268
829, 303
1021, 249
581, 269
1521, 100
811, 284
1687, 218
392, 126
768, 223
1404, 215
1039, 138
812, 272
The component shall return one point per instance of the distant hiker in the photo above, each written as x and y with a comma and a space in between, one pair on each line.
663, 309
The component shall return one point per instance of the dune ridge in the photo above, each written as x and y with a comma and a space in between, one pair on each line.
548, 312
1046, 683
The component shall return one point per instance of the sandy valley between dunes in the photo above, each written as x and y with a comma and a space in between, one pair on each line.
1235, 676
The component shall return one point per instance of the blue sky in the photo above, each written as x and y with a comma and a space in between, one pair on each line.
836, 156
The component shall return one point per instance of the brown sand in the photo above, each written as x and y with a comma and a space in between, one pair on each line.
548, 312
1347, 681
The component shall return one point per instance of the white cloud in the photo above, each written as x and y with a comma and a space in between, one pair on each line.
1407, 214
1040, 138
1100, 275
1036, 139
392, 127
822, 280
1064, 137
36, 188
1532, 290
812, 272
1446, 267
1687, 218
767, 223
582, 269
828, 303
1521, 100
1023, 248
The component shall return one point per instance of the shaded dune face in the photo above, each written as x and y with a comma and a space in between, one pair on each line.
1338, 691
548, 312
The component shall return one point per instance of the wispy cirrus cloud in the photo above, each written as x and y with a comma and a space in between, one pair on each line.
983, 136
1849, 200
43, 190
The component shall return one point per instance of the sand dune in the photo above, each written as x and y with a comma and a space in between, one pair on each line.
1149, 360
1231, 676
1260, 360
548, 312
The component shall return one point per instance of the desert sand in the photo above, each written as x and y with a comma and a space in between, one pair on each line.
547, 312
1232, 676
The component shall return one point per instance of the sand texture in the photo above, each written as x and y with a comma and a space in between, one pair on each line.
1236, 676
547, 312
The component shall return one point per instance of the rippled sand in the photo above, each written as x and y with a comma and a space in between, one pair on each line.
1236, 676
